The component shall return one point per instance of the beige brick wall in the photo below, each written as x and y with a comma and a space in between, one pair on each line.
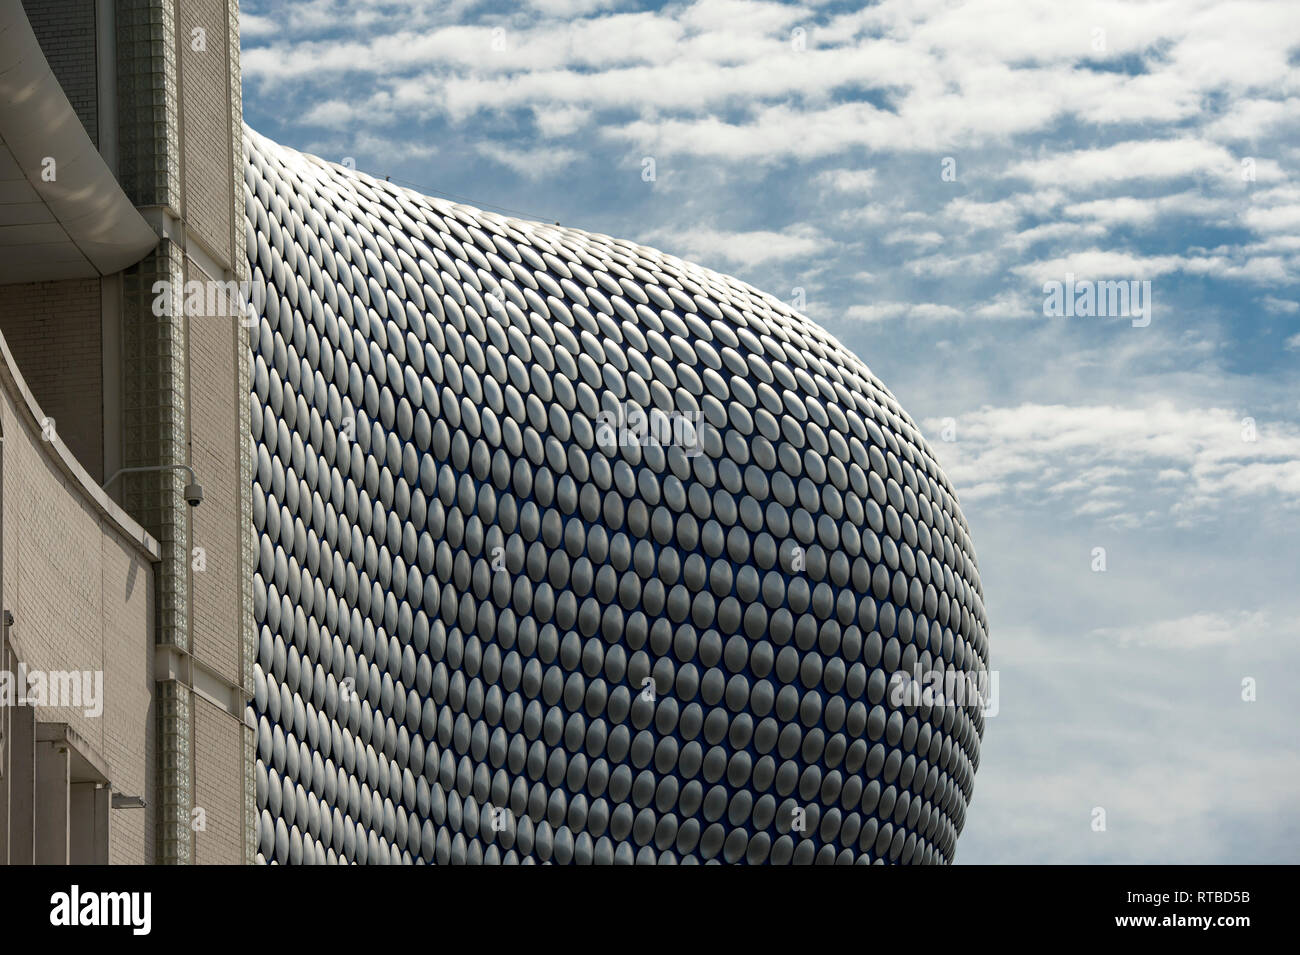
55, 333
178, 152
218, 765
205, 124
215, 450
82, 595
66, 32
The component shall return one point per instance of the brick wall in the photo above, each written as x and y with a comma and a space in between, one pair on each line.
55, 333
205, 124
66, 32
218, 765
82, 595
214, 411
185, 380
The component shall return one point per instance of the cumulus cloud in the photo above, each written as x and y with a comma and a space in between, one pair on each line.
743, 249
881, 311
849, 181
1099, 459
1138, 159
1194, 631
1279, 306
1099, 264
530, 163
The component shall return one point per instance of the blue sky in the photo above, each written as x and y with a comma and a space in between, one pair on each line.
803, 146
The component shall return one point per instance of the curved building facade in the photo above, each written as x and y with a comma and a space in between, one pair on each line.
572, 551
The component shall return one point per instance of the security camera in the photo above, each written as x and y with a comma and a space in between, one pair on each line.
194, 494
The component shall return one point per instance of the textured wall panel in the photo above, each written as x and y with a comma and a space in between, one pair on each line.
82, 596
202, 34
55, 333
218, 762
214, 412
66, 31
495, 626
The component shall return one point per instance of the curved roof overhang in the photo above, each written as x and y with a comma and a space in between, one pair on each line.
79, 225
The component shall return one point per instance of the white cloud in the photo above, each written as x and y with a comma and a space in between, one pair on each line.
564, 9
1009, 304
946, 266
848, 181
1250, 119
1275, 219
1000, 214
1096, 459
1134, 160
881, 311
1279, 306
1194, 631
951, 70
374, 154
530, 163
744, 249
252, 26
1129, 210
1053, 232
920, 240
1098, 263
554, 121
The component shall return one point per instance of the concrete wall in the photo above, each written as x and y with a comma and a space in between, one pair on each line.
76, 572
